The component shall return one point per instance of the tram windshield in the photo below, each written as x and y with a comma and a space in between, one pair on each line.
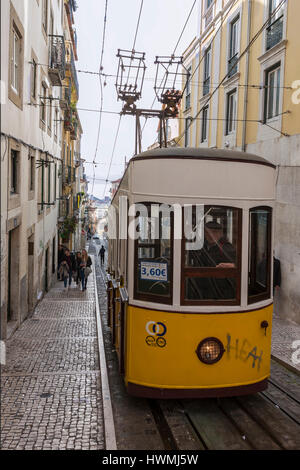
212, 240
154, 254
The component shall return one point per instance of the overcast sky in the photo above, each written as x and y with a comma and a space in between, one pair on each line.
161, 24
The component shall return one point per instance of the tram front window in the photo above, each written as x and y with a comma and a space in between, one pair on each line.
153, 266
212, 244
259, 254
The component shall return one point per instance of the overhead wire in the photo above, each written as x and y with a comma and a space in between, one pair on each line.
101, 87
119, 123
180, 36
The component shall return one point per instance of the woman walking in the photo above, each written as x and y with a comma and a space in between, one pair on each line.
85, 265
64, 271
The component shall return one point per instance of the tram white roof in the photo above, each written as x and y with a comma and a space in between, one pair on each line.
203, 153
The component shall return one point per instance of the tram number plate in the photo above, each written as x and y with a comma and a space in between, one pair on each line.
154, 271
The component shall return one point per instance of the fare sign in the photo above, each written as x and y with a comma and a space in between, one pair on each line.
154, 271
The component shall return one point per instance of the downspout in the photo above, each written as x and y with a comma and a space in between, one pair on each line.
247, 78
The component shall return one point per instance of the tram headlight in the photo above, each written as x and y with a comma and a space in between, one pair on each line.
210, 350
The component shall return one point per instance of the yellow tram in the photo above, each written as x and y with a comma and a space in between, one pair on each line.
189, 273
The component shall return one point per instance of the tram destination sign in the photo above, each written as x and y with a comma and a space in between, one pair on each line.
150, 271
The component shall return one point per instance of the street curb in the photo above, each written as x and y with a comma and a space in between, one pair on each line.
285, 364
108, 418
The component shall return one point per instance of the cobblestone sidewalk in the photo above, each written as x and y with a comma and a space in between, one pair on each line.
50, 386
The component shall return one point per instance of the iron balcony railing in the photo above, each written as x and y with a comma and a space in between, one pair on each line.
274, 33
233, 65
57, 59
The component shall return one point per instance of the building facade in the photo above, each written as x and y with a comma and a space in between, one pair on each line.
33, 74
243, 93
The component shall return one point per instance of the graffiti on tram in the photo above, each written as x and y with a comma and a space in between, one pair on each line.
243, 350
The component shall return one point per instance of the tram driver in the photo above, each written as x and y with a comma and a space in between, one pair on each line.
217, 252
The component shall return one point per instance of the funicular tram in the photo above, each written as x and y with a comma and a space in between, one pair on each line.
189, 273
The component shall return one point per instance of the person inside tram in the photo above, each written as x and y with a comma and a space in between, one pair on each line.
217, 252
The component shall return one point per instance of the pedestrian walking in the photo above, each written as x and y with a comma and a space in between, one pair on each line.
64, 271
60, 257
85, 265
77, 275
68, 260
102, 253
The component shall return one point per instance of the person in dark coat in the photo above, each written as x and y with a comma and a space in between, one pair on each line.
216, 252
276, 274
101, 253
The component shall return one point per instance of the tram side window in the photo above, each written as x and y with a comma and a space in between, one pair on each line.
259, 254
153, 255
211, 250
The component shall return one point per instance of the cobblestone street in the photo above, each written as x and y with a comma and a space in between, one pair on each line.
50, 386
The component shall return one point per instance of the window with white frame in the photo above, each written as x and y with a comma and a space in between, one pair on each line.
272, 92
206, 74
15, 61
231, 110
275, 27
43, 102
233, 46
204, 130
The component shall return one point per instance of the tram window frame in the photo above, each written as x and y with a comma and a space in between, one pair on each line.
155, 298
252, 258
213, 272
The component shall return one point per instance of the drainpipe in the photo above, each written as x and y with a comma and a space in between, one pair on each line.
247, 78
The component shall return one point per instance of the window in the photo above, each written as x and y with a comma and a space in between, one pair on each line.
231, 109
45, 15
49, 183
272, 92
154, 253
16, 59
14, 171
15, 62
204, 124
43, 103
56, 119
187, 132
33, 78
206, 75
188, 89
208, 3
233, 47
275, 28
211, 252
259, 254
31, 172
49, 113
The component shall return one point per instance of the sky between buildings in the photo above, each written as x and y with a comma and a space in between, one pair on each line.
160, 26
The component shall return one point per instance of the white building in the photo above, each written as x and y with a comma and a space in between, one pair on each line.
32, 70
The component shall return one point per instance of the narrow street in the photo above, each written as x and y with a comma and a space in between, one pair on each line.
50, 386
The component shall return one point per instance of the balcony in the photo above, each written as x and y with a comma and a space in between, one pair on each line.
68, 120
57, 64
65, 100
274, 33
233, 65
70, 62
73, 134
